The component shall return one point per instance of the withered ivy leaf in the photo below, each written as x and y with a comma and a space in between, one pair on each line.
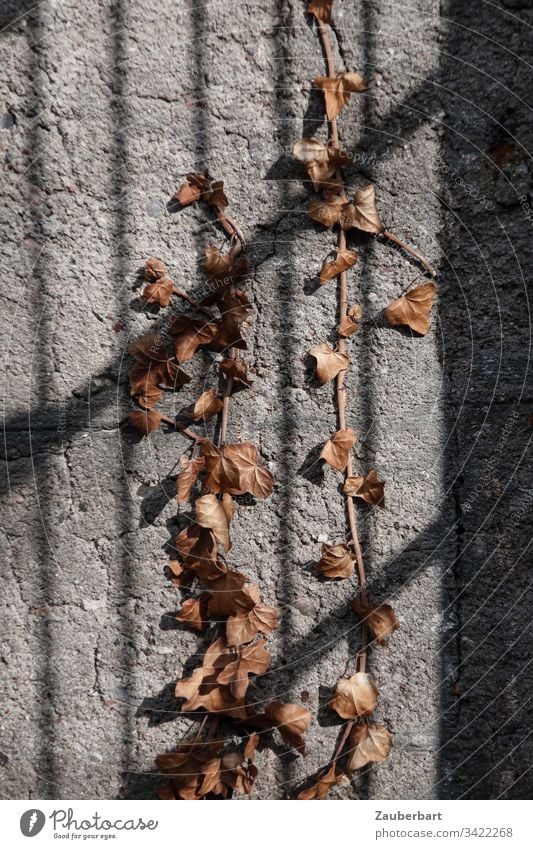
236, 312
141, 385
326, 211
368, 743
159, 292
189, 332
252, 477
244, 624
236, 368
227, 266
367, 487
145, 421
381, 619
337, 561
321, 9
355, 696
361, 213
291, 721
194, 612
350, 322
196, 547
328, 362
216, 514
207, 405
249, 660
227, 596
345, 259
222, 474
338, 90
194, 770
321, 162
336, 450
324, 783
413, 309
188, 477
180, 576
201, 187
154, 269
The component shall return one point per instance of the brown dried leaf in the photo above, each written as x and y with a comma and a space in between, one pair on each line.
250, 660
207, 405
202, 689
154, 268
344, 260
413, 309
381, 619
159, 292
350, 323
190, 332
197, 547
291, 721
235, 309
326, 212
181, 576
337, 561
328, 362
321, 9
367, 487
355, 696
323, 785
194, 770
194, 612
252, 478
244, 625
216, 514
145, 421
141, 385
222, 475
338, 90
369, 743
221, 266
336, 450
362, 213
236, 368
226, 595
321, 162
188, 477
201, 187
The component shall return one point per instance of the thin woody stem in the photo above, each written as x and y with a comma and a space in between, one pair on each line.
386, 234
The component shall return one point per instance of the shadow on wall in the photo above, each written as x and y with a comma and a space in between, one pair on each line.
486, 676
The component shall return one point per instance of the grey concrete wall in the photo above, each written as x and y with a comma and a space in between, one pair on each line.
106, 105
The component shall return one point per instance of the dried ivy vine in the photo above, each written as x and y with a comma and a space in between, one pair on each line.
362, 740
229, 609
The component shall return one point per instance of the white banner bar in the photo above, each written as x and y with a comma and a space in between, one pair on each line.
264, 825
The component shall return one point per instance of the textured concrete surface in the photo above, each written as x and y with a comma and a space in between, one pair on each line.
104, 107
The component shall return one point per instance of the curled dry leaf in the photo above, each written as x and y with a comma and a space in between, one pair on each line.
367, 487
221, 266
193, 770
159, 292
413, 309
188, 477
344, 260
145, 421
337, 561
189, 332
226, 595
291, 721
323, 784
244, 625
234, 468
336, 450
235, 309
326, 211
194, 612
154, 269
368, 743
250, 660
321, 9
381, 619
328, 362
215, 514
207, 405
236, 368
153, 366
361, 213
179, 574
197, 549
321, 162
338, 90
355, 696
201, 187
350, 322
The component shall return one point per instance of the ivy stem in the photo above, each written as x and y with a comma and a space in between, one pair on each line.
386, 234
341, 377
